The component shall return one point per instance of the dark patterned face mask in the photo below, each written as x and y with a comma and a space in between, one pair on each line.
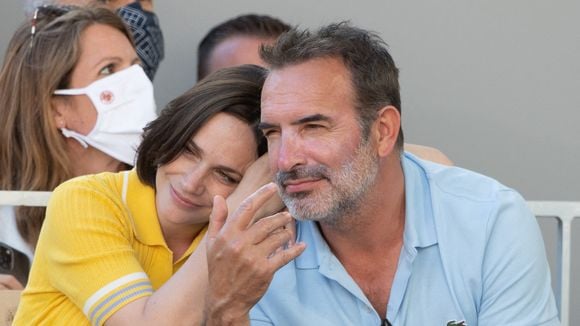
147, 35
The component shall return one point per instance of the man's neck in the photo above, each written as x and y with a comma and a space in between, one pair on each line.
368, 242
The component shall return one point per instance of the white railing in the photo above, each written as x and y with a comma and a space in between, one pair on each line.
564, 212
24, 198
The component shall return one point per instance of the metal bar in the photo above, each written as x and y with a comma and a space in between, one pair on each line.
565, 213
24, 198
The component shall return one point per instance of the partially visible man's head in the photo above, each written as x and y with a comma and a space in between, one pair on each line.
236, 42
375, 78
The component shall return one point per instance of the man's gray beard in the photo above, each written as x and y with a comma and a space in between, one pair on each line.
349, 187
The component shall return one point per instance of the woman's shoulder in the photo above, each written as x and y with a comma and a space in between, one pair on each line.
85, 203
103, 191
105, 182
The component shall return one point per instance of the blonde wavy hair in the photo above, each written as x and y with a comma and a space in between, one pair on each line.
33, 154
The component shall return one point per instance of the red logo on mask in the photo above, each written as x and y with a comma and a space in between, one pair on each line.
107, 97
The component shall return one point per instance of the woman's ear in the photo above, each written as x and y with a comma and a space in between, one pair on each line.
58, 109
387, 127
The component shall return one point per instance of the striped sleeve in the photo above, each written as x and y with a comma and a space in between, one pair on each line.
116, 294
87, 244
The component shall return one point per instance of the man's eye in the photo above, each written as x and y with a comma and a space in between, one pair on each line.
269, 132
312, 126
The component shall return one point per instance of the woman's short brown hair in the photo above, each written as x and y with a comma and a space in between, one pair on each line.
236, 91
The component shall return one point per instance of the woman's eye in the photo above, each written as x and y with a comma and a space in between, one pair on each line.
107, 70
225, 178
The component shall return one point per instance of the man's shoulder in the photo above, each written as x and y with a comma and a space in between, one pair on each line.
469, 205
460, 183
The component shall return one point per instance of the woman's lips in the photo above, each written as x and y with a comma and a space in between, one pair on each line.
177, 197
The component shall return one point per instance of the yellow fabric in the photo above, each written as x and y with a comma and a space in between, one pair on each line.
96, 253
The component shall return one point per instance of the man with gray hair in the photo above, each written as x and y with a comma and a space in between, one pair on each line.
390, 239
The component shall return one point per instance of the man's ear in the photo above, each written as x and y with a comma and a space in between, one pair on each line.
387, 127
58, 107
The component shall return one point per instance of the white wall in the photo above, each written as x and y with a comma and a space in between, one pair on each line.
493, 84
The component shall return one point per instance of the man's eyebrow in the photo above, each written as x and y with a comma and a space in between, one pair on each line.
307, 119
311, 118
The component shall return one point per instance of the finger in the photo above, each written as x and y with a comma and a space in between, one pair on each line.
292, 228
274, 243
264, 227
218, 217
272, 206
9, 282
243, 215
283, 257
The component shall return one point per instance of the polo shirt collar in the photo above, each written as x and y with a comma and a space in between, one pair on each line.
316, 250
141, 204
318, 255
419, 221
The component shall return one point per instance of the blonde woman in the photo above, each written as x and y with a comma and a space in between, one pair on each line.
73, 101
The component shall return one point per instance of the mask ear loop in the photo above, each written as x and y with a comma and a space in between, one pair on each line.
72, 91
71, 134
66, 132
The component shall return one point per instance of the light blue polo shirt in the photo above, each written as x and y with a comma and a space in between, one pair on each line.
472, 252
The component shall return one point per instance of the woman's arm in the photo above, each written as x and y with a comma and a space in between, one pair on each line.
257, 175
181, 299
9, 282
428, 153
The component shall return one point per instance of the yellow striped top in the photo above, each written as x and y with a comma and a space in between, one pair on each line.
101, 247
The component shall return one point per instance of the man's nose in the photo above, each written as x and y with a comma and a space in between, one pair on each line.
289, 153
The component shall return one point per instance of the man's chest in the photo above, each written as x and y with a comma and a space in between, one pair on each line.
422, 296
430, 295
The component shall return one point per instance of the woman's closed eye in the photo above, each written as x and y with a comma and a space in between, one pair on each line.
227, 178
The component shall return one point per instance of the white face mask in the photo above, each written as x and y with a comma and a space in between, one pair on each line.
125, 104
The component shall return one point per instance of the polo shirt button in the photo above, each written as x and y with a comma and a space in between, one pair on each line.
369, 310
